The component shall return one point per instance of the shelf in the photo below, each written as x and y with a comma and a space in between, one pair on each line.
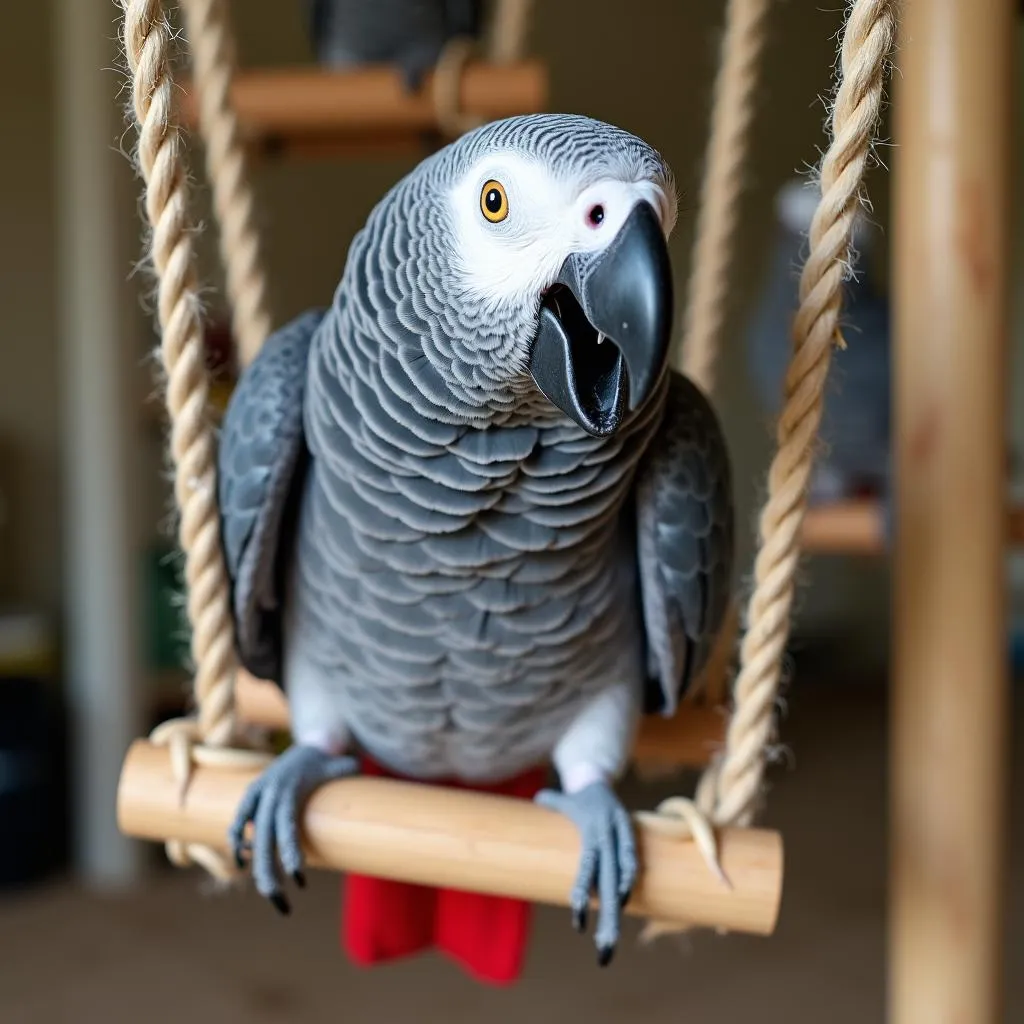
321, 112
845, 527
856, 527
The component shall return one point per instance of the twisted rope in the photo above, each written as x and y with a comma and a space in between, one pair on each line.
732, 114
734, 783
213, 61
161, 160
730, 789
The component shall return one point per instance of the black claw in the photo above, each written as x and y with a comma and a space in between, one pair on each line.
300, 879
579, 918
604, 955
625, 898
240, 859
281, 904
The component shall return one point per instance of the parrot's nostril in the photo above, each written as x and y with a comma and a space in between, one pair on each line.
596, 216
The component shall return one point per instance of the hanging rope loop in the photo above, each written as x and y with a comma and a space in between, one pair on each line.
208, 27
161, 161
729, 142
864, 58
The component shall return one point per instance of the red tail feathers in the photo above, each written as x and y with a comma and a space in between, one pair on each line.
385, 920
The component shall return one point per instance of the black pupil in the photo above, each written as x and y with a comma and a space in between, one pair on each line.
493, 201
597, 215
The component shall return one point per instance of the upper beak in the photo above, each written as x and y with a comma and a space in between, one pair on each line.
623, 293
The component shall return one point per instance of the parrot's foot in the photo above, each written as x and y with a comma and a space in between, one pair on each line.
608, 861
273, 803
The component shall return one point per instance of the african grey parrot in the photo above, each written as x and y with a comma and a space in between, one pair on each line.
473, 523
856, 423
409, 33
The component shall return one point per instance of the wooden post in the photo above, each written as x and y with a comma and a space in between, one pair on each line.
97, 354
950, 701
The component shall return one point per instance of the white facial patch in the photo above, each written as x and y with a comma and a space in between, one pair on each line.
549, 217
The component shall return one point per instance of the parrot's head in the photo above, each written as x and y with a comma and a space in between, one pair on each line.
555, 264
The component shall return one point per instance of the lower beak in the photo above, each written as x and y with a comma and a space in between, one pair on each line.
605, 326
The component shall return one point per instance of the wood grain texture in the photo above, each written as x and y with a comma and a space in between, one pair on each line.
435, 836
950, 701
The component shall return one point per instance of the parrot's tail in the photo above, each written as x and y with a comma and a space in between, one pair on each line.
384, 920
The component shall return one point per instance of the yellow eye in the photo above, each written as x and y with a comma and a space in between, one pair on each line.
494, 202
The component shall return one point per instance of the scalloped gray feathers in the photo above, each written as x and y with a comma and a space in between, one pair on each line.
259, 463
464, 573
685, 539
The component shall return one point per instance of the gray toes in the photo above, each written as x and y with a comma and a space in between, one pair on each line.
607, 932
608, 860
273, 804
286, 831
340, 768
586, 875
629, 866
236, 833
551, 799
580, 914
264, 861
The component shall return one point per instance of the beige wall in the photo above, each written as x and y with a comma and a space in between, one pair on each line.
29, 408
646, 65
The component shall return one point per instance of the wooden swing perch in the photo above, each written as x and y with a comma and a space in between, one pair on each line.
311, 110
460, 839
183, 785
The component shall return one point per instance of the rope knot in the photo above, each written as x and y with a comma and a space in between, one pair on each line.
183, 738
179, 735
680, 818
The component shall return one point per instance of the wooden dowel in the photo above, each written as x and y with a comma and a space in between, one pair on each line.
260, 703
350, 146
311, 101
430, 835
854, 527
688, 739
953, 133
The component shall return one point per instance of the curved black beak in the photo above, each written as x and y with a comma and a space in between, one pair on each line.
605, 326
